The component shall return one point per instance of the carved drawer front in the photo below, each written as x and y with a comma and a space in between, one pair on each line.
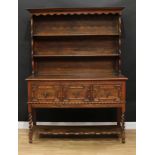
76, 93
107, 93
45, 93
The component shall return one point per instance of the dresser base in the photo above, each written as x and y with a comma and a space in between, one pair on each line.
77, 93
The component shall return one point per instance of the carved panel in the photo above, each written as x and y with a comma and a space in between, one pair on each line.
76, 92
107, 93
42, 93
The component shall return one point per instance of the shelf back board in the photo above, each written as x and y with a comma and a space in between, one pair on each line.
76, 65
76, 24
76, 46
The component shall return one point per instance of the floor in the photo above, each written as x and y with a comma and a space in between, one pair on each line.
76, 146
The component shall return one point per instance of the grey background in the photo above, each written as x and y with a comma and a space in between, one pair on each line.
128, 55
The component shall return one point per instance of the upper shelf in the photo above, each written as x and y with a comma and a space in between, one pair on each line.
75, 26
71, 55
73, 35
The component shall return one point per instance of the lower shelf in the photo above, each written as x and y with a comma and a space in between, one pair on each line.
78, 130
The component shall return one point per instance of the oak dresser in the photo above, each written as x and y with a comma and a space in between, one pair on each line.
76, 63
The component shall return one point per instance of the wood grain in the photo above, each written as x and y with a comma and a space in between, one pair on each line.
76, 61
76, 25
76, 46
76, 11
76, 66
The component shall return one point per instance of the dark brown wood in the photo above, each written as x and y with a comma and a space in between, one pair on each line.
78, 130
76, 63
83, 77
76, 66
79, 25
103, 46
76, 11
76, 92
123, 127
30, 127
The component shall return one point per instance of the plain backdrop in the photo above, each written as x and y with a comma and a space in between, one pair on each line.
128, 64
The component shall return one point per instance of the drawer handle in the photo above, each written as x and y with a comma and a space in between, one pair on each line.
108, 94
45, 94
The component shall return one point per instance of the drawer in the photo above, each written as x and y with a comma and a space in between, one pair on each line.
45, 93
76, 93
106, 93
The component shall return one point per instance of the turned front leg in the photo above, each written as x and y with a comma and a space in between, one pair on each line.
123, 127
30, 127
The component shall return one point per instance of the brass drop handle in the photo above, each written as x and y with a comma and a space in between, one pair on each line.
108, 94
45, 94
